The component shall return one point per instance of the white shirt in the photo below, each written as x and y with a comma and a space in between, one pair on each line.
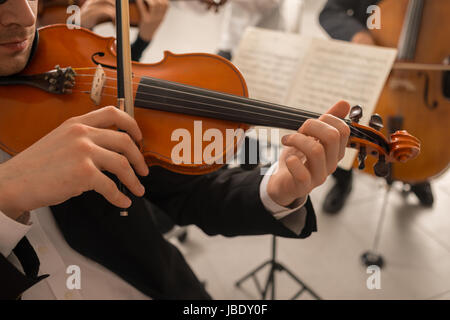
97, 282
241, 14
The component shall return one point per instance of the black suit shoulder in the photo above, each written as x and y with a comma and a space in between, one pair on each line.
342, 19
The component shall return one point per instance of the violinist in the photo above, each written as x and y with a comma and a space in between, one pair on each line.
346, 20
73, 170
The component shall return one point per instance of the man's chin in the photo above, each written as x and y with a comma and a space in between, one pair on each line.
15, 63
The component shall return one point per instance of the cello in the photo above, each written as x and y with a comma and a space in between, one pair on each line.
73, 72
417, 94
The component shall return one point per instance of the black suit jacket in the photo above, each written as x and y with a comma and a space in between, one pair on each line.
342, 19
226, 202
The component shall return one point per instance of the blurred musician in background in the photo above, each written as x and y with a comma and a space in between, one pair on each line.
240, 14
346, 20
152, 13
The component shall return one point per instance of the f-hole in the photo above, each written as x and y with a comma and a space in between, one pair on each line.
101, 54
426, 91
446, 80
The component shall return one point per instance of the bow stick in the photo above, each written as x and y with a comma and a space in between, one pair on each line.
124, 71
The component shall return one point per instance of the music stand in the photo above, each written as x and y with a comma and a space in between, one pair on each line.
270, 282
373, 257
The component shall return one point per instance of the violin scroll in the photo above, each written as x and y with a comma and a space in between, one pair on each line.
401, 147
404, 147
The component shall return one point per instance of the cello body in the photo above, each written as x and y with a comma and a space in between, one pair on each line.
416, 100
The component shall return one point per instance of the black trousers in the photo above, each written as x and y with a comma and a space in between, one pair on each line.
132, 247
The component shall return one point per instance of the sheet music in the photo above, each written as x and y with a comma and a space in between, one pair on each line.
335, 70
269, 61
313, 74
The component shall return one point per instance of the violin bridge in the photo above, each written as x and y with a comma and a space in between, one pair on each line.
97, 85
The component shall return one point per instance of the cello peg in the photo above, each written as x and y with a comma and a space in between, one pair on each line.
362, 155
376, 122
356, 113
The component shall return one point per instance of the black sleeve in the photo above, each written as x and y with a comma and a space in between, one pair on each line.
336, 21
138, 47
12, 282
225, 202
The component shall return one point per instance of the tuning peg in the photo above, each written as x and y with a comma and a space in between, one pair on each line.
356, 113
381, 168
376, 122
68, 84
362, 155
59, 70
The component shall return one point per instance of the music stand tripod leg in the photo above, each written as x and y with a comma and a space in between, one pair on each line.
270, 282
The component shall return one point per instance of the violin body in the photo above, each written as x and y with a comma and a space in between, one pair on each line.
193, 109
31, 115
416, 99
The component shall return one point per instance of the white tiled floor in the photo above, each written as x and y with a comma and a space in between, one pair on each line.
415, 242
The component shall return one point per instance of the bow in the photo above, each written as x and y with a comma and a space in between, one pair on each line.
124, 71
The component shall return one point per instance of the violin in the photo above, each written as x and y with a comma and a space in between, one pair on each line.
55, 11
73, 72
416, 96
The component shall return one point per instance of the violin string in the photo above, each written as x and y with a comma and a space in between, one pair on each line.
198, 102
291, 111
355, 131
244, 113
287, 109
312, 114
212, 112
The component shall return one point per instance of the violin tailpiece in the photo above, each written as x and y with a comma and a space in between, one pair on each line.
57, 81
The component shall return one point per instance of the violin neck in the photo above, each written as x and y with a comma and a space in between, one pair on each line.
174, 97
178, 98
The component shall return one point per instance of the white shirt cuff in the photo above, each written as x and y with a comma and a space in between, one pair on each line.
11, 232
279, 212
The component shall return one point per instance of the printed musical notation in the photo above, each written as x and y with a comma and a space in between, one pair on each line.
313, 74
